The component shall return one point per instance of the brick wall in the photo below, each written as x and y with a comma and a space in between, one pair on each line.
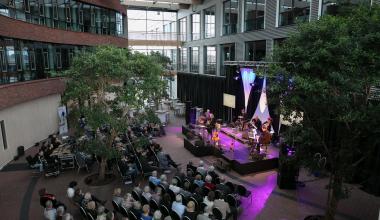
13, 94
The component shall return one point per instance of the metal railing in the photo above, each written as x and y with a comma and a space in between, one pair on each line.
142, 35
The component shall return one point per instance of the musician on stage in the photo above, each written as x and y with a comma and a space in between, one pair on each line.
244, 114
256, 123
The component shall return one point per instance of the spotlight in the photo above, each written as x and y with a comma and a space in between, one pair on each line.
252, 84
236, 78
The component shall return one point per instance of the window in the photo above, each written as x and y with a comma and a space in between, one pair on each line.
292, 11
194, 66
32, 61
41, 9
18, 61
26, 6
68, 13
210, 64
230, 16
58, 59
46, 59
227, 54
3, 134
255, 50
196, 26
81, 17
254, 14
182, 29
183, 59
329, 7
3, 61
209, 22
92, 17
55, 10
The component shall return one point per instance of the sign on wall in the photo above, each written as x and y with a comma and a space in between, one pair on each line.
62, 115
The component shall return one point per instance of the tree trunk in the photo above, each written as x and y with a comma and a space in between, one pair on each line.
102, 169
334, 196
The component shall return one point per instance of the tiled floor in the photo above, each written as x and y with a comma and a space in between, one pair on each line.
19, 190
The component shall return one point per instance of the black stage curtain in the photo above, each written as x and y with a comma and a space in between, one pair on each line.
203, 91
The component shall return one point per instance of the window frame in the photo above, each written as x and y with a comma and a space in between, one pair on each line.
279, 20
206, 63
192, 26
245, 15
192, 60
206, 24
45, 55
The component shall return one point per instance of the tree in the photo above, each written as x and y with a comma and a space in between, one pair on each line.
100, 83
324, 75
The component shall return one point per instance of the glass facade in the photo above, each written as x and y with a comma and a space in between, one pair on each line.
255, 50
22, 60
194, 59
196, 26
292, 11
254, 14
210, 58
227, 54
183, 59
152, 25
183, 29
209, 20
66, 15
230, 16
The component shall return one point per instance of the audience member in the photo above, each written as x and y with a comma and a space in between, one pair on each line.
60, 212
198, 180
223, 187
101, 213
117, 196
71, 189
154, 178
190, 211
50, 212
173, 187
147, 193
201, 169
164, 181
157, 215
136, 209
145, 215
91, 209
157, 195
127, 201
222, 206
209, 200
205, 214
208, 183
177, 205
186, 190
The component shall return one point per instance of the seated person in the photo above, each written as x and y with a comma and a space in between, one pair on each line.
146, 213
165, 160
50, 212
190, 211
223, 187
173, 187
222, 206
208, 183
198, 180
186, 190
209, 200
101, 214
127, 201
117, 196
154, 178
212, 173
91, 208
128, 168
44, 197
157, 215
136, 209
164, 181
78, 196
198, 195
147, 168
157, 195
205, 215
191, 167
201, 169
147, 193
60, 212
177, 206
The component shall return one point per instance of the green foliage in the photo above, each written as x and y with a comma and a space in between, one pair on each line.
141, 142
98, 147
326, 70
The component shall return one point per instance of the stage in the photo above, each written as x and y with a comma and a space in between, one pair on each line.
239, 159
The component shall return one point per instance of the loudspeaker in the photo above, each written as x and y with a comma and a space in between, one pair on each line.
187, 112
20, 151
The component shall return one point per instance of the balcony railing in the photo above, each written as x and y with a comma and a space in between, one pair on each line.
161, 36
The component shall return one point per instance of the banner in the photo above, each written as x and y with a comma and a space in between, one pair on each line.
62, 115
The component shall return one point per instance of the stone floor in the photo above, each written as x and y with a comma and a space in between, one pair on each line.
19, 190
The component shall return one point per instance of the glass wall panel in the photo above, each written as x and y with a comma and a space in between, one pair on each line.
292, 11
230, 16
196, 26
255, 50
194, 60
209, 22
254, 14
210, 60
183, 29
183, 59
227, 54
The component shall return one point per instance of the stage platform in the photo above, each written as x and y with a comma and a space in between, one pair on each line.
239, 159
237, 135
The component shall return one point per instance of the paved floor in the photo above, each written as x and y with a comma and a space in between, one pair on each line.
19, 190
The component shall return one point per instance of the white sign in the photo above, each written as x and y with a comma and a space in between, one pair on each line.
229, 100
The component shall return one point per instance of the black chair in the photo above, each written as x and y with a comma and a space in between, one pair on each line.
132, 216
205, 191
135, 195
163, 189
217, 214
152, 186
231, 200
143, 200
174, 215
186, 218
164, 210
242, 191
116, 207
231, 186
153, 204
179, 181
123, 211
218, 194
83, 212
184, 199
203, 206
196, 204
171, 194
90, 216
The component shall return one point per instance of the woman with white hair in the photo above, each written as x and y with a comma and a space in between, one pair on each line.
177, 206
201, 169
157, 215
50, 212
208, 183
101, 213
147, 193
173, 187
127, 201
164, 180
117, 196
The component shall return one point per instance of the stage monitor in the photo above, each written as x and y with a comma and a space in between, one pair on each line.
229, 100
